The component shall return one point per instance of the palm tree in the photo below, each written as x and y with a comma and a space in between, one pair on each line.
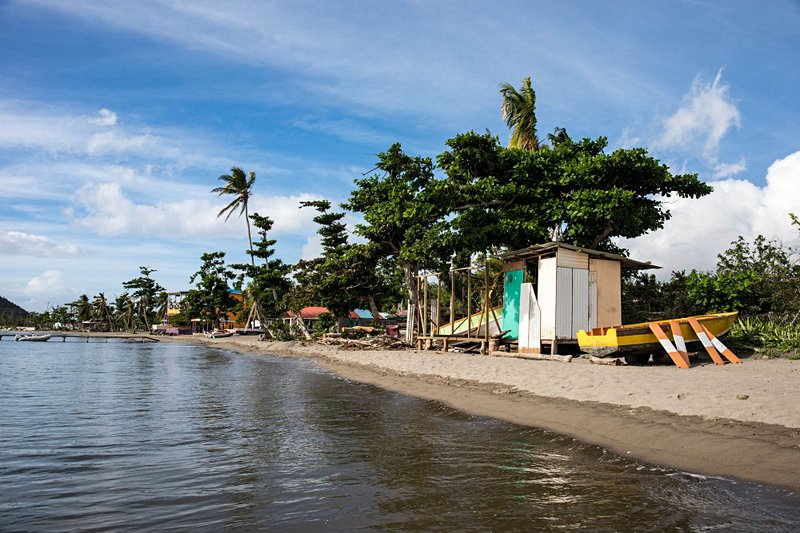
101, 310
558, 136
239, 185
519, 114
82, 308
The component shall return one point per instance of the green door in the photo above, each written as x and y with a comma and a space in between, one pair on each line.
511, 291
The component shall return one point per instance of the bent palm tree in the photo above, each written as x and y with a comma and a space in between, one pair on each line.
240, 185
519, 114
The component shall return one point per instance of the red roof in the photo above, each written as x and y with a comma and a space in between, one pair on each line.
311, 312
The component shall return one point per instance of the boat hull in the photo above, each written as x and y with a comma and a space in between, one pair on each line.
34, 338
633, 339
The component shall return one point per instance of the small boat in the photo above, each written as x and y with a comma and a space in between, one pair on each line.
33, 338
633, 339
221, 333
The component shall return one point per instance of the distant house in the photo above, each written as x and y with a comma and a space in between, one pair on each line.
309, 315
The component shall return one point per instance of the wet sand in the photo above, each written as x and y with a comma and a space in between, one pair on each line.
738, 421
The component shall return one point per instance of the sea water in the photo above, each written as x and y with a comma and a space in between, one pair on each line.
129, 436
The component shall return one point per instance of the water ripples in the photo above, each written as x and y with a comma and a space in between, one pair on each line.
153, 437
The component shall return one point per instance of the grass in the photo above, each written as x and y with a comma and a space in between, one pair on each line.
773, 336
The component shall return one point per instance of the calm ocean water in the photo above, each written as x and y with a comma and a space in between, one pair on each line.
115, 436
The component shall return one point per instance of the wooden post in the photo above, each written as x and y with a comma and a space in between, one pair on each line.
486, 296
452, 304
469, 301
438, 301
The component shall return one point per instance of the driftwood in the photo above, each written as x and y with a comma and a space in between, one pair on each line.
380, 342
611, 361
536, 356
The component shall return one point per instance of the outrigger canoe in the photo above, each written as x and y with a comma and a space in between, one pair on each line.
633, 339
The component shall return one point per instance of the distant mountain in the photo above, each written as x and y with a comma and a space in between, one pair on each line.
9, 308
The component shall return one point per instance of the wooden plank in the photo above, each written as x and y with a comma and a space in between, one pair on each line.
700, 331
724, 350
668, 347
677, 338
580, 301
564, 303
572, 259
546, 294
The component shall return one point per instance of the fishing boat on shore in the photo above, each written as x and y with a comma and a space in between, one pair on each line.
643, 338
221, 333
33, 338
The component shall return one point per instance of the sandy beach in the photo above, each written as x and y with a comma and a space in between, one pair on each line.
738, 421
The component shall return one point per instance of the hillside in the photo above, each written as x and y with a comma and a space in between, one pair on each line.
9, 308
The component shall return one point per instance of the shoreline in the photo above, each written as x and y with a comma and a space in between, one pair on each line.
735, 421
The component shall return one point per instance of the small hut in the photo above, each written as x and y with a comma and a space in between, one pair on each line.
553, 290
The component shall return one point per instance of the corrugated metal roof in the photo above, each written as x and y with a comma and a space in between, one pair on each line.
539, 250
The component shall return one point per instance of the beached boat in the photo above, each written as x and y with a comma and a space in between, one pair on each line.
632, 339
33, 338
221, 333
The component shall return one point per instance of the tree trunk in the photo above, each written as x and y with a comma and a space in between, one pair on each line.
249, 236
301, 325
373, 308
413, 319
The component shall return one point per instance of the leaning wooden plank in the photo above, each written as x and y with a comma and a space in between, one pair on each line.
701, 334
724, 350
668, 347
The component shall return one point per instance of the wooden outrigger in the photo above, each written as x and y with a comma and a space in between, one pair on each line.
671, 335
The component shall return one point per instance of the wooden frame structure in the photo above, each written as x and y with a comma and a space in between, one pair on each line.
474, 328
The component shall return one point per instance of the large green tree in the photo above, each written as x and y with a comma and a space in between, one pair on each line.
145, 291
211, 300
404, 209
240, 186
268, 279
575, 192
347, 275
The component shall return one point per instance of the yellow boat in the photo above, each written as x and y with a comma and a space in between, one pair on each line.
632, 339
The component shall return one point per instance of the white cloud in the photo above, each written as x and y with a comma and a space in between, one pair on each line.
706, 115
105, 117
109, 211
312, 248
45, 283
700, 229
725, 170
19, 243
115, 142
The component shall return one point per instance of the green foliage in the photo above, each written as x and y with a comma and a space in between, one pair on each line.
519, 114
762, 277
756, 278
211, 300
268, 279
773, 334
145, 297
346, 276
324, 323
574, 193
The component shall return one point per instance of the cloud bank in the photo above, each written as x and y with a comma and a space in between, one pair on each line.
702, 228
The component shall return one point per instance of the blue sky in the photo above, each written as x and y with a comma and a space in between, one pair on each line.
116, 118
